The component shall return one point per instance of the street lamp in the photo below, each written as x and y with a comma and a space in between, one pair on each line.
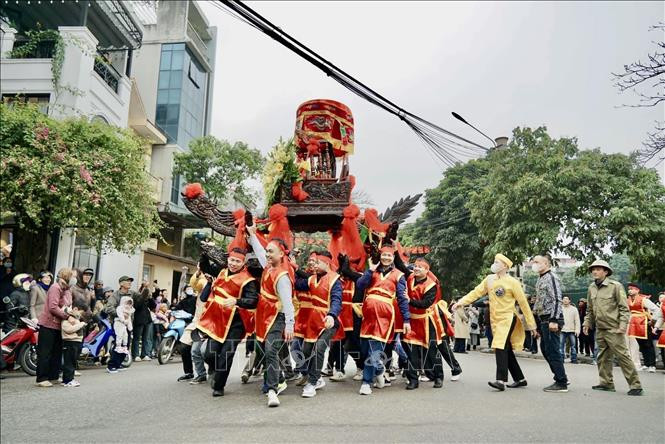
499, 142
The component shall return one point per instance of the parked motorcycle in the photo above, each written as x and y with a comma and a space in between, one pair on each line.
170, 339
99, 343
19, 345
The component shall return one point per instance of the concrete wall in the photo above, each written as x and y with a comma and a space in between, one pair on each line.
163, 270
115, 264
145, 71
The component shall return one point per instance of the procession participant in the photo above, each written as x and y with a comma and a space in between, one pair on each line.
508, 333
325, 303
445, 329
549, 312
226, 317
274, 311
642, 310
353, 344
421, 342
608, 312
343, 337
302, 311
659, 328
382, 283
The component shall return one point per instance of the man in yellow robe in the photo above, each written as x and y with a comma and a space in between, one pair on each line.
504, 291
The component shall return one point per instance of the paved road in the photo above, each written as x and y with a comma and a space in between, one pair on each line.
145, 404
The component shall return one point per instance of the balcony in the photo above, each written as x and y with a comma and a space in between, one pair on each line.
107, 72
199, 45
25, 48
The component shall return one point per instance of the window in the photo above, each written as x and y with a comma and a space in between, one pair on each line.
175, 189
41, 100
147, 273
85, 256
181, 94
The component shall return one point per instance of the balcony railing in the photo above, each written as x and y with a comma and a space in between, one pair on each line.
43, 49
107, 72
198, 41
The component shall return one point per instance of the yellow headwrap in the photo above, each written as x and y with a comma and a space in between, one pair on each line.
504, 259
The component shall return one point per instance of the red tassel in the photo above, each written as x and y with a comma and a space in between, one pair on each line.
298, 193
373, 222
279, 225
351, 244
240, 241
193, 190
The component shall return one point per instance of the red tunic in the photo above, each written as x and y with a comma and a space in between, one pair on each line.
216, 319
420, 317
319, 293
302, 314
345, 317
639, 318
661, 339
378, 308
269, 304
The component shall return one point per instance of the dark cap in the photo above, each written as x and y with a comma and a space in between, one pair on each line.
89, 271
125, 278
633, 284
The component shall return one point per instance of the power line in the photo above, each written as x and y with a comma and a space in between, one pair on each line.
448, 148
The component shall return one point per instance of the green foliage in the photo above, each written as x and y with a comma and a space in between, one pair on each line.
544, 194
74, 173
445, 226
280, 169
222, 168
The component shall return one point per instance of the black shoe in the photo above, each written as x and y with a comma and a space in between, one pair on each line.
325, 372
244, 378
635, 392
517, 384
186, 377
412, 385
199, 379
438, 383
556, 388
500, 386
292, 376
603, 388
216, 393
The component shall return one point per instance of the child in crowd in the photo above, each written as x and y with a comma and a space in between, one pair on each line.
123, 324
72, 338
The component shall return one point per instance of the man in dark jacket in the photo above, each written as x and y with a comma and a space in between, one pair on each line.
20, 298
83, 291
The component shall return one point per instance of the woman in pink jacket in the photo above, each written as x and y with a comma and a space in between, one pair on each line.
49, 343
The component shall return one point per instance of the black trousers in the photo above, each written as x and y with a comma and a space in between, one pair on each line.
70, 355
586, 343
506, 360
314, 353
49, 354
648, 352
270, 351
224, 353
449, 357
424, 358
186, 355
340, 350
388, 354
460, 345
353, 347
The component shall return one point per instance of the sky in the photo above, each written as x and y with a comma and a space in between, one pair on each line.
500, 65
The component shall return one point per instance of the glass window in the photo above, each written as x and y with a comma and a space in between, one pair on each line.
164, 79
176, 80
166, 61
174, 96
175, 189
176, 61
147, 273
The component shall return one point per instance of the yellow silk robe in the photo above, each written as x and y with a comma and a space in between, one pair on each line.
503, 293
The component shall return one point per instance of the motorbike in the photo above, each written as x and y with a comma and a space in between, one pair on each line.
99, 343
169, 341
19, 345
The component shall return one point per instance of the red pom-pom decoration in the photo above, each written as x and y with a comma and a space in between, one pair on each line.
193, 190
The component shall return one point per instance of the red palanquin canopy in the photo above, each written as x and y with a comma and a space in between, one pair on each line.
325, 120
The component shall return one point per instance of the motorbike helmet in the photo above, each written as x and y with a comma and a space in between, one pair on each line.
22, 280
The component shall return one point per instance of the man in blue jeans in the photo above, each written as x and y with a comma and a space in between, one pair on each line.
570, 330
549, 315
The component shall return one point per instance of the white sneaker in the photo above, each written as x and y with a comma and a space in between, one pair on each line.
273, 400
137, 359
320, 384
72, 383
147, 358
423, 378
365, 389
455, 377
114, 371
643, 368
281, 387
358, 376
309, 391
380, 381
339, 376
44, 384
652, 369
77, 373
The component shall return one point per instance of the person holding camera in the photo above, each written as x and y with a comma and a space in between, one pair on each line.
549, 314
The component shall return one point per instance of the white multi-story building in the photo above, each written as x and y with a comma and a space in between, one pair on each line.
143, 65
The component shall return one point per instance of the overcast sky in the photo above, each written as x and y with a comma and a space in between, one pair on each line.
500, 65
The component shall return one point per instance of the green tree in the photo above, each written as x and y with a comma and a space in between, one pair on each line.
544, 194
72, 173
456, 251
221, 168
